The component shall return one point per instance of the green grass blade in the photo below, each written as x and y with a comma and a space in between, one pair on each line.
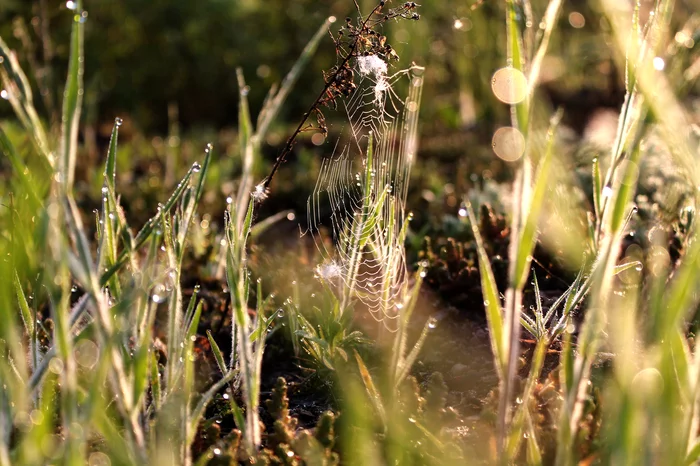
111, 163
72, 101
549, 20
597, 189
520, 421
681, 297
263, 225
528, 236
194, 322
25, 312
218, 355
492, 302
20, 96
198, 412
372, 391
246, 146
273, 105
517, 61
407, 363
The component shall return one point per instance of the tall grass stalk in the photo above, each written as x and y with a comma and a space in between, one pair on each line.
528, 197
120, 320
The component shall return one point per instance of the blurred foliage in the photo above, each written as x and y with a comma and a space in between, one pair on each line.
142, 56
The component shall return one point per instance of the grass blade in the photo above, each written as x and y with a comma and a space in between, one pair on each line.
72, 101
273, 105
528, 236
492, 302
372, 391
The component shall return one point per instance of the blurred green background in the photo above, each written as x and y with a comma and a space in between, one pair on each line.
142, 57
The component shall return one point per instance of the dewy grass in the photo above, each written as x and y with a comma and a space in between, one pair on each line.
129, 373
101, 388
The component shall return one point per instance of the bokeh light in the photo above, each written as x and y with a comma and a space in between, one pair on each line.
508, 143
577, 20
509, 85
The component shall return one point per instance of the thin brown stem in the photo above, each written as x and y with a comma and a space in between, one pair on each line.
314, 107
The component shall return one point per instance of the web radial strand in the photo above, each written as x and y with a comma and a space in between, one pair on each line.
360, 198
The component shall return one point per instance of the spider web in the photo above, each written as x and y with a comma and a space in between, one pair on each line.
367, 176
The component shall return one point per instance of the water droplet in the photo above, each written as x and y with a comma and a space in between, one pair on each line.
412, 420
56, 366
280, 313
607, 192
159, 294
638, 267
519, 400
118, 121
462, 212
486, 302
196, 167
209, 148
432, 323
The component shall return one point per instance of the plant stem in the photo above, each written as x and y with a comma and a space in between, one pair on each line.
314, 107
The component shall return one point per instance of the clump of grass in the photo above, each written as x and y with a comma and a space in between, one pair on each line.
104, 352
595, 286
